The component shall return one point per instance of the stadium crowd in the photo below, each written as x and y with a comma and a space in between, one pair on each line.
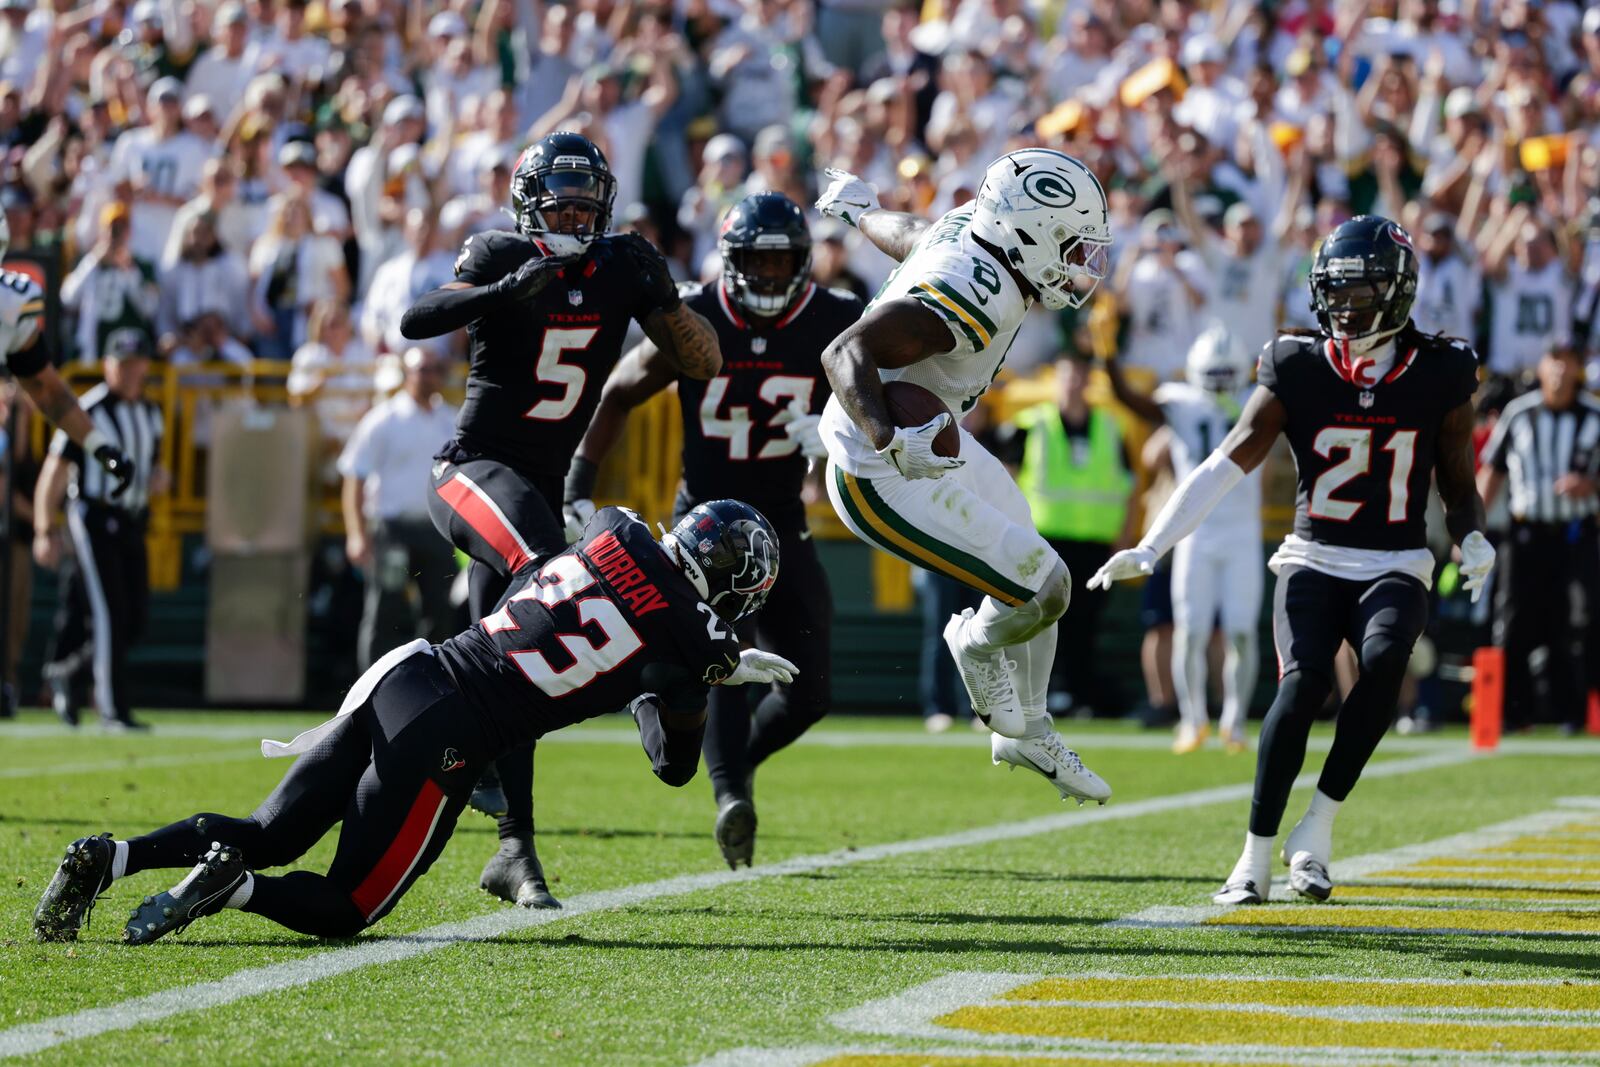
281, 179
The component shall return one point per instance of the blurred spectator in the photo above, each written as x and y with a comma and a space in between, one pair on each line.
158, 167
720, 185
217, 198
1530, 308
385, 499
1162, 288
1448, 284
223, 71
206, 277
1547, 447
333, 371
1076, 472
208, 339
829, 259
291, 267
111, 289
329, 215
24, 477
423, 265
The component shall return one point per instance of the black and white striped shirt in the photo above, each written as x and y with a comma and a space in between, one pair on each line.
133, 426
1535, 445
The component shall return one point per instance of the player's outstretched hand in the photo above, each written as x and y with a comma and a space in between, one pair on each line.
575, 515
800, 426
847, 197
653, 270
119, 466
911, 452
1477, 560
1129, 563
528, 280
761, 668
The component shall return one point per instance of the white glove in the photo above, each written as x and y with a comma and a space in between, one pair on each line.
911, 453
761, 668
1477, 560
847, 197
576, 515
800, 426
1129, 563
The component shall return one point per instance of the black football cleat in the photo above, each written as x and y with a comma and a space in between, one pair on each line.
68, 900
736, 830
514, 875
202, 892
488, 796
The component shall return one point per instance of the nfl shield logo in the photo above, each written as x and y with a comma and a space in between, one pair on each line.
574, 297
758, 345
1366, 399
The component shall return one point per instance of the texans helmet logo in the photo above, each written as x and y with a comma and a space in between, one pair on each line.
1401, 237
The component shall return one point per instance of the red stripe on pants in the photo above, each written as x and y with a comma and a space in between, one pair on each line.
403, 852
476, 512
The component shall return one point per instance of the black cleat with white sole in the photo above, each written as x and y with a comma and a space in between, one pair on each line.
515, 875
202, 892
736, 830
68, 900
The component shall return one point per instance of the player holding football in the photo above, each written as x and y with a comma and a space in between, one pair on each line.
1038, 230
619, 620
1373, 409
1217, 569
21, 354
547, 309
749, 432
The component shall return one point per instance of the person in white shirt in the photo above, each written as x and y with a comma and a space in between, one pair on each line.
328, 214
161, 164
385, 503
1210, 105
290, 51
291, 267
205, 277
420, 267
1530, 294
224, 70
334, 371
627, 125
1162, 289
1449, 287
499, 134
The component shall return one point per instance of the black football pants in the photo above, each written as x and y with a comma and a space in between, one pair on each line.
1547, 594
108, 588
1313, 614
397, 772
503, 519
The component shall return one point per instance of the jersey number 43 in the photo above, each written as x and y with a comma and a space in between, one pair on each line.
777, 390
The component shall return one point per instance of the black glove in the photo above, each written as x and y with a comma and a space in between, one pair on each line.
117, 465
528, 280
654, 274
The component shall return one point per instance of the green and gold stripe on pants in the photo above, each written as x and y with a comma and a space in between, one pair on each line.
893, 533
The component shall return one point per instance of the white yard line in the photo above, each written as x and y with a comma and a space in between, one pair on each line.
130, 762
47, 1033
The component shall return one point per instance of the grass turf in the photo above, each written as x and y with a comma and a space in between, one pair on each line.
760, 964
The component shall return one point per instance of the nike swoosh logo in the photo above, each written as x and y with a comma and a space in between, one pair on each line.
805, 535
1050, 774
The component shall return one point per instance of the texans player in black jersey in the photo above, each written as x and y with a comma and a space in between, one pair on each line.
1374, 410
619, 620
750, 432
547, 308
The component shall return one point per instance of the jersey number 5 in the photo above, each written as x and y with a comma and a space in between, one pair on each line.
562, 579
569, 376
1357, 446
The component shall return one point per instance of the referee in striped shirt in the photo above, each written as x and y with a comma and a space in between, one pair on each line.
1547, 446
106, 591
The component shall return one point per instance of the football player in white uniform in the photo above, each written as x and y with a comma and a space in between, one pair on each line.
1038, 230
1217, 569
21, 354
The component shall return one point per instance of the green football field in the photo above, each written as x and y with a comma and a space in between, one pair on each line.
911, 904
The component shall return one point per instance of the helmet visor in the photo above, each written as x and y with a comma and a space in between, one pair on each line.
572, 202
1084, 264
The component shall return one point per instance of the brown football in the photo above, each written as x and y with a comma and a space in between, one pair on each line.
912, 405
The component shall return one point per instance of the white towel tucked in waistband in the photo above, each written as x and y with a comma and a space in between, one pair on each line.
357, 696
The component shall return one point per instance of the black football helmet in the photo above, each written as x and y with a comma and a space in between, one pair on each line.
1364, 279
730, 550
562, 169
766, 252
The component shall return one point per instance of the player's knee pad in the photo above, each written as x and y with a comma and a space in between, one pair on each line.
1055, 595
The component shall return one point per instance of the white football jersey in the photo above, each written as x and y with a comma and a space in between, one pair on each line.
1199, 421
171, 167
1447, 297
1529, 311
951, 275
21, 313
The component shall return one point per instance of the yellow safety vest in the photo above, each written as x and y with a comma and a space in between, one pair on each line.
1082, 497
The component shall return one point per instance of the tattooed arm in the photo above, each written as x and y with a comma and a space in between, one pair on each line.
896, 233
896, 334
1452, 468
57, 403
638, 376
686, 341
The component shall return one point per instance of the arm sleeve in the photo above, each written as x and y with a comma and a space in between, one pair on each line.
672, 723
1192, 501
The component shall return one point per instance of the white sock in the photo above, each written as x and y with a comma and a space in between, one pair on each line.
995, 625
1238, 680
241, 895
1189, 677
119, 859
1037, 724
1314, 832
1255, 863
1034, 658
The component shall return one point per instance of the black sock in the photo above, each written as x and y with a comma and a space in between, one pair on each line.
516, 778
727, 739
1282, 747
183, 844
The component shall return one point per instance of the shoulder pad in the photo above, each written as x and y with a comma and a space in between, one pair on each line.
844, 296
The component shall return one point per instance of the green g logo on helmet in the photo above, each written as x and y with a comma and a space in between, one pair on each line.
1049, 189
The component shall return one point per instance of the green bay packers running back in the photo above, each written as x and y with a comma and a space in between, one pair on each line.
1038, 230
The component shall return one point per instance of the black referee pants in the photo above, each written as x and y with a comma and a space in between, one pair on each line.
1548, 597
109, 587
406, 552
397, 772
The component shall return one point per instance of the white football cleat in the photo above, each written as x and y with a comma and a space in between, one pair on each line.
1239, 891
1250, 882
988, 681
1308, 851
1049, 757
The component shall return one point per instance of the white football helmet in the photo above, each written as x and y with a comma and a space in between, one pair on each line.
1047, 214
1217, 361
